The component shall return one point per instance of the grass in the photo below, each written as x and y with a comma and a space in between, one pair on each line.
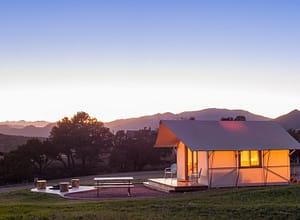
280, 202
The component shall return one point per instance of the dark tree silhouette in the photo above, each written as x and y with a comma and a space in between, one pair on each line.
237, 118
135, 151
17, 167
30, 159
295, 156
227, 119
240, 118
40, 154
81, 137
61, 137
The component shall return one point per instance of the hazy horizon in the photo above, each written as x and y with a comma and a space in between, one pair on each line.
121, 59
138, 116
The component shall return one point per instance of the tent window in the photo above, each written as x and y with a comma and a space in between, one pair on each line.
250, 158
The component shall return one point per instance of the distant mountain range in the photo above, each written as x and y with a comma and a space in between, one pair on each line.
43, 128
206, 114
27, 131
23, 123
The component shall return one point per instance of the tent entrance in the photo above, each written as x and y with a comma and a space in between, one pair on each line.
192, 162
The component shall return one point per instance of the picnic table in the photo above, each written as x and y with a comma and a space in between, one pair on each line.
106, 182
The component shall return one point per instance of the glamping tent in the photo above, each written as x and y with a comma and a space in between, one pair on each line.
229, 153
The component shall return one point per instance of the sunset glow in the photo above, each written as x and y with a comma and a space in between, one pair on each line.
120, 59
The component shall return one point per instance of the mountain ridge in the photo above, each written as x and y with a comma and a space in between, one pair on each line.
23, 123
28, 131
289, 120
205, 114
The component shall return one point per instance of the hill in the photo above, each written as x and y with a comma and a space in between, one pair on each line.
23, 123
206, 114
290, 120
9, 142
28, 131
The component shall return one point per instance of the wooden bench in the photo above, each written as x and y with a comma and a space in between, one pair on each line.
111, 182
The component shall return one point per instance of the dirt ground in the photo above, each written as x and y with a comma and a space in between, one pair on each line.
138, 191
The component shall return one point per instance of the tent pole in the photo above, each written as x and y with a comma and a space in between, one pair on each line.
269, 153
192, 161
211, 173
237, 168
207, 162
263, 167
266, 168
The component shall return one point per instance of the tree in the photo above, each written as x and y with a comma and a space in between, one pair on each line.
118, 156
61, 137
295, 134
134, 152
295, 157
90, 137
30, 159
227, 119
240, 118
16, 167
82, 137
237, 118
40, 154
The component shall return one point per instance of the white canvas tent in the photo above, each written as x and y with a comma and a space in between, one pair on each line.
229, 153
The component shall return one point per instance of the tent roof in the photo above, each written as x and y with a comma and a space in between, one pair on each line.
224, 135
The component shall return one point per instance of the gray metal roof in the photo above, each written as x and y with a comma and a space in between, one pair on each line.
225, 135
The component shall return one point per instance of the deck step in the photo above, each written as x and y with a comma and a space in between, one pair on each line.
159, 187
167, 186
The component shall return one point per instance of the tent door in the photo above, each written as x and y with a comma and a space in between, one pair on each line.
191, 163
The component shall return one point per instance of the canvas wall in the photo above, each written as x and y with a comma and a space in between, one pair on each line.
223, 170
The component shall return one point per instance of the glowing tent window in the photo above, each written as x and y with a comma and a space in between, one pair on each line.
250, 158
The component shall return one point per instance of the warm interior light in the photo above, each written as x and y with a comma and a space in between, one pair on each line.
244, 157
254, 158
249, 158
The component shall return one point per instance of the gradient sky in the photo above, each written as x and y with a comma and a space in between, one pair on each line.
118, 59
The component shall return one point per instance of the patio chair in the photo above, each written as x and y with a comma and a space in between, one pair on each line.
195, 176
172, 170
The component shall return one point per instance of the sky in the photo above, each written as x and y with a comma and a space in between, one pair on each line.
127, 58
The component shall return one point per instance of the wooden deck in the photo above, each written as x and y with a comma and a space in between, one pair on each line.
172, 185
